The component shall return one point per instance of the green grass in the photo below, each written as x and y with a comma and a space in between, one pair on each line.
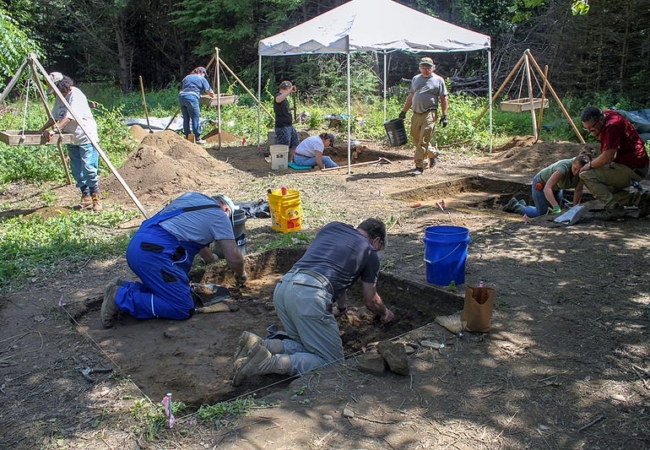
35, 247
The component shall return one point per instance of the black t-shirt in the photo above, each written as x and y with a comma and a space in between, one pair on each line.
282, 113
342, 254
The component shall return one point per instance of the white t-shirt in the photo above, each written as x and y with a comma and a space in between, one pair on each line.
310, 146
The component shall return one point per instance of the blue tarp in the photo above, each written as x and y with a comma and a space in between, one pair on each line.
159, 123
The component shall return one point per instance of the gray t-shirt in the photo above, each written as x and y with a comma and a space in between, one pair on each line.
342, 255
79, 104
427, 92
201, 226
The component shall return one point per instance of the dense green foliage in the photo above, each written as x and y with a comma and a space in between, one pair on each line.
15, 45
594, 45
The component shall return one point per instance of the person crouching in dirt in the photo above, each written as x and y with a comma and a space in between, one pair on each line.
623, 159
304, 300
310, 151
84, 158
548, 186
161, 254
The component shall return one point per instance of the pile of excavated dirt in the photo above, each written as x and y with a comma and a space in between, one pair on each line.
525, 155
163, 166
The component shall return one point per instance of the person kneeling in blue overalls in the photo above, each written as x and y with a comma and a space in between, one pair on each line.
161, 254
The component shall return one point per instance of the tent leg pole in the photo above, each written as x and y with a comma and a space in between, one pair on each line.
349, 113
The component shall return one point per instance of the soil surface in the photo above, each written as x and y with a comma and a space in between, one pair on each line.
566, 364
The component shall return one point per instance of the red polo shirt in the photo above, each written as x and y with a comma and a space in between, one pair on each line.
619, 134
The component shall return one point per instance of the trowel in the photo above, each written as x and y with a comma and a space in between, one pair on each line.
210, 293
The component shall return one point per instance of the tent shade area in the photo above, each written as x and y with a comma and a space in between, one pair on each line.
379, 26
373, 26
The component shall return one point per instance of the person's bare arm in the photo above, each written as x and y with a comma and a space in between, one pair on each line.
548, 188
444, 104
206, 254
233, 256
408, 103
374, 303
341, 304
577, 194
601, 160
319, 160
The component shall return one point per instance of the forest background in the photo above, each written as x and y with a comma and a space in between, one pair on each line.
592, 46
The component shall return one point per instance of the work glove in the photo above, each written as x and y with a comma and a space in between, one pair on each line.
240, 280
402, 115
443, 120
555, 210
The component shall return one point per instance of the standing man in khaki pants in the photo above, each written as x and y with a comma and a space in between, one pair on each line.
428, 90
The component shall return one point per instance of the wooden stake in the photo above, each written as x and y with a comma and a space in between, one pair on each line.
541, 110
144, 102
530, 96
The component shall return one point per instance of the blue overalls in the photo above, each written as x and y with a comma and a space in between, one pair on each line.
162, 262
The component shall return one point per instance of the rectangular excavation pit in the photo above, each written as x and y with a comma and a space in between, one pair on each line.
192, 359
474, 192
477, 192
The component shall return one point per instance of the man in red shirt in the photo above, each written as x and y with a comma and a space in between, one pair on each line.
622, 160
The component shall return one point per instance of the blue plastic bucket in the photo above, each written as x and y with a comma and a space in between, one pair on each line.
445, 253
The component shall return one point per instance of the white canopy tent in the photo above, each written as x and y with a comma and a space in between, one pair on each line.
373, 26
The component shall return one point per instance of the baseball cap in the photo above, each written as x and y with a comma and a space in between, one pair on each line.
230, 204
202, 70
426, 61
330, 136
55, 77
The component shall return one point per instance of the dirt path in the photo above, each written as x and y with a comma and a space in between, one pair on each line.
566, 365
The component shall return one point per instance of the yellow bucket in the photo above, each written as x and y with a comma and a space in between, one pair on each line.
286, 212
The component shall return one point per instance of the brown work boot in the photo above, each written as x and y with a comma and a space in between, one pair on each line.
612, 214
86, 202
260, 361
97, 205
109, 310
247, 341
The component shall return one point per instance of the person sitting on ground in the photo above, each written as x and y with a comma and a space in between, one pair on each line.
310, 151
623, 160
304, 300
161, 253
285, 133
548, 186
188, 98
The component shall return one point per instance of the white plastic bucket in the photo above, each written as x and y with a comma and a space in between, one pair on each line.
279, 156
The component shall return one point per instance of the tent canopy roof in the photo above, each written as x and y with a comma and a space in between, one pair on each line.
373, 25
